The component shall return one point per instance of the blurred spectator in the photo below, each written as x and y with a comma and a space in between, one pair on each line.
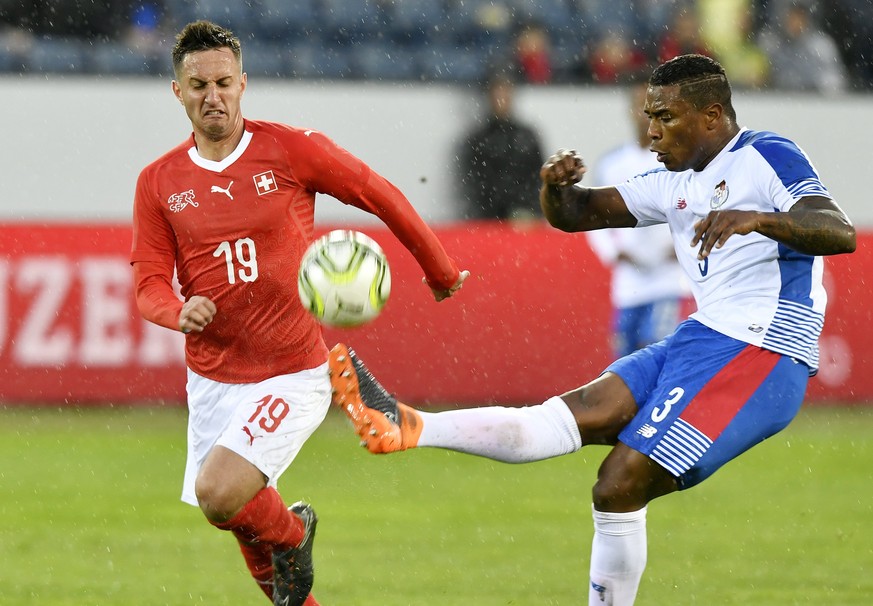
682, 37
802, 56
602, 41
727, 29
760, 15
615, 59
850, 24
107, 36
100, 20
655, 16
600, 17
479, 21
143, 32
15, 45
500, 160
533, 53
647, 287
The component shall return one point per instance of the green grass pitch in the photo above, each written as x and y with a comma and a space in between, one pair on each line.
89, 515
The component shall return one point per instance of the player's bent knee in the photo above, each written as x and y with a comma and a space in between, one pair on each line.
602, 409
629, 480
616, 492
219, 501
225, 483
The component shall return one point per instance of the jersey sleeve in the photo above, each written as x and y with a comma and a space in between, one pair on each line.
332, 170
155, 297
384, 200
642, 197
794, 176
153, 258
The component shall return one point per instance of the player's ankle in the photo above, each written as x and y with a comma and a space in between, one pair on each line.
411, 423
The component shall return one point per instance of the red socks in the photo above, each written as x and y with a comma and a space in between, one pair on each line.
265, 523
266, 519
259, 559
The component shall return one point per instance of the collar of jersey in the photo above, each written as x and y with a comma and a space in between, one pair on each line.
218, 166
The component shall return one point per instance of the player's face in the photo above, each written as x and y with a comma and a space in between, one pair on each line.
677, 130
210, 85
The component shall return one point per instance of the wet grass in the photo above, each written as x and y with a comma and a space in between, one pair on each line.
89, 515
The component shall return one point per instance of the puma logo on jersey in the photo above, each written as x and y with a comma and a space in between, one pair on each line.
216, 189
308, 132
178, 202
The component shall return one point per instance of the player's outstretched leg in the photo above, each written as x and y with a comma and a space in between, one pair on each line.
383, 423
293, 571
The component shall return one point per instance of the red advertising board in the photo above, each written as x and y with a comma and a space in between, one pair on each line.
531, 321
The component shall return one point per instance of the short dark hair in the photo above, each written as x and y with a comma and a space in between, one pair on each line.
701, 79
204, 35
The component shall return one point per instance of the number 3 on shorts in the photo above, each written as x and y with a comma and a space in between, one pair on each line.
659, 414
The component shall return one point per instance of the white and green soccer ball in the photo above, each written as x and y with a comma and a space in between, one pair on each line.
344, 279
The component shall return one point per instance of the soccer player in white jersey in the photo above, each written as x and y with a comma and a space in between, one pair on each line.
750, 220
647, 288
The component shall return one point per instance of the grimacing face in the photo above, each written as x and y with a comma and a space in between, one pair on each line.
210, 85
679, 133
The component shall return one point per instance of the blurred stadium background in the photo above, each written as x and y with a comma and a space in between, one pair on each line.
86, 90
549, 41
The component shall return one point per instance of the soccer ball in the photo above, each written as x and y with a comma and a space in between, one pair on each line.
344, 279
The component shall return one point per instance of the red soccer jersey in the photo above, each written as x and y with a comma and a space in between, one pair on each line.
235, 231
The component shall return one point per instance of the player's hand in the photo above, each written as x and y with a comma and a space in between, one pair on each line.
444, 293
719, 225
196, 313
564, 167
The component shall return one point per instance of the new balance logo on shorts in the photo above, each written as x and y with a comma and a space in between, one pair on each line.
647, 431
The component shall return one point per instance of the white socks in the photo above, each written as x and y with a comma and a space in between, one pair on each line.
511, 435
618, 557
534, 433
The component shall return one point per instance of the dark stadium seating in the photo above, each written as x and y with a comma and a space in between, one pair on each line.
392, 40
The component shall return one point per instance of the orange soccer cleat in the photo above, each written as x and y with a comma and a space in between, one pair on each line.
383, 423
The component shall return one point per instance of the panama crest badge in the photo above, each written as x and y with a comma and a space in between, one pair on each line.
720, 196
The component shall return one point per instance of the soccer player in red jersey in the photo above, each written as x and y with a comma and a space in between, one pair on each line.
231, 210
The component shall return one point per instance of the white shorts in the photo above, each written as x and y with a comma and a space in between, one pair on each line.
265, 423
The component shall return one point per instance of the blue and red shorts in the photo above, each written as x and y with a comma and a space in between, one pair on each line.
705, 398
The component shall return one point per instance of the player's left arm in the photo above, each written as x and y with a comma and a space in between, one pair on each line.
814, 225
333, 170
381, 198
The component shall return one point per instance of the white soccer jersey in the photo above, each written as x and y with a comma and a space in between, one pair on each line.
654, 274
753, 289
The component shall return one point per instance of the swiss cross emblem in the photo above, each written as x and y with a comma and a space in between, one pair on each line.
265, 182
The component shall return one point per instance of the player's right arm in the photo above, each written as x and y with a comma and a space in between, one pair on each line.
157, 301
153, 259
570, 207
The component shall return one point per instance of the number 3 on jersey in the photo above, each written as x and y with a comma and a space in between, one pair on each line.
241, 253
